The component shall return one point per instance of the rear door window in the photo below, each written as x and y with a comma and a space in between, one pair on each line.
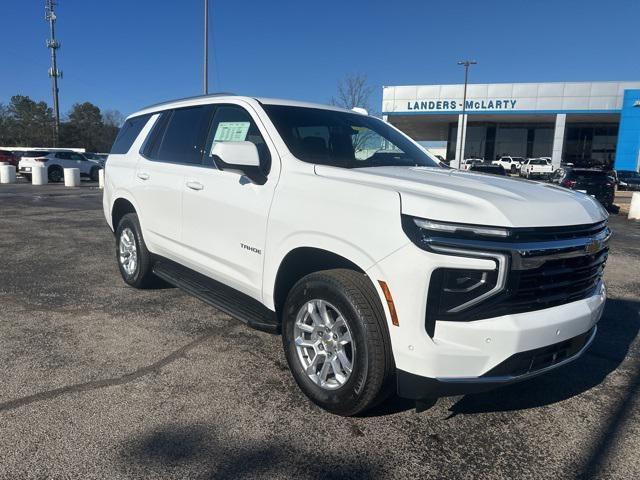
185, 135
128, 134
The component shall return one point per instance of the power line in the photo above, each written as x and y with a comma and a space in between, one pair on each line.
54, 73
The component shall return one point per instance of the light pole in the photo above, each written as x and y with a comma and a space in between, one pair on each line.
206, 47
463, 131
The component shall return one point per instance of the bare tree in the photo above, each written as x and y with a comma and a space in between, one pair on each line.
353, 91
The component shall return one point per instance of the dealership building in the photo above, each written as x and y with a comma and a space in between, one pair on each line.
585, 123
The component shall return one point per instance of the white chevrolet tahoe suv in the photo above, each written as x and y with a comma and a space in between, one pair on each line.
382, 270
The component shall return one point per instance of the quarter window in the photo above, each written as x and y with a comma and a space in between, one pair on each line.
128, 134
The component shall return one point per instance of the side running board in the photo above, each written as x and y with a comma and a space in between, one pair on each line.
223, 297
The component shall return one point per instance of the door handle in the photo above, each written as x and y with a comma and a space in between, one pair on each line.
195, 185
143, 176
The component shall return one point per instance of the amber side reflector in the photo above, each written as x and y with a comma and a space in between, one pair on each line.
389, 299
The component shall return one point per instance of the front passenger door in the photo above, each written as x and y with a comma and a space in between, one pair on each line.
224, 213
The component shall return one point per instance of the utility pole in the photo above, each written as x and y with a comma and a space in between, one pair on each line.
54, 73
206, 47
462, 132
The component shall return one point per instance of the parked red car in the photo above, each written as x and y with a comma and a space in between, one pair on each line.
9, 157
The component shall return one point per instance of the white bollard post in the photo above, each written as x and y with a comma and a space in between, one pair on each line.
71, 177
634, 209
101, 178
7, 174
39, 175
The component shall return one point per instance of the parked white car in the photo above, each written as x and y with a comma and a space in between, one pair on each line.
55, 163
510, 164
382, 270
537, 168
468, 162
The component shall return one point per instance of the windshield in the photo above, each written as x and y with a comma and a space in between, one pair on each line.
539, 162
343, 139
623, 174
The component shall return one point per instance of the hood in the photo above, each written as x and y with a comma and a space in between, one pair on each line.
466, 197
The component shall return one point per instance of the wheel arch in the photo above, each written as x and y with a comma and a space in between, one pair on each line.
121, 207
302, 261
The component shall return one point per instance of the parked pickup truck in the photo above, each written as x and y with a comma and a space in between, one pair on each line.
510, 164
537, 168
381, 270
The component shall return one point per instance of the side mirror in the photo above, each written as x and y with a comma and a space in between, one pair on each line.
239, 156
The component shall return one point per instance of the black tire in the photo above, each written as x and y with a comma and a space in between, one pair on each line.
513, 169
55, 174
27, 177
93, 175
142, 276
371, 379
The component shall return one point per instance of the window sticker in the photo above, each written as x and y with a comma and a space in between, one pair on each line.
232, 132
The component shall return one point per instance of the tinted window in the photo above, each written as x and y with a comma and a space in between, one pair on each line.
495, 169
63, 155
152, 144
34, 153
128, 134
184, 138
234, 124
589, 173
344, 139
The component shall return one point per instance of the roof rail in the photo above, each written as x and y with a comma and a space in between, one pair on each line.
216, 94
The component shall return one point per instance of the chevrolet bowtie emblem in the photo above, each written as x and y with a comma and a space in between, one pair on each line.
592, 247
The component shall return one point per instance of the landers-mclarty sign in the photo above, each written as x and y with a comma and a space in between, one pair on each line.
452, 105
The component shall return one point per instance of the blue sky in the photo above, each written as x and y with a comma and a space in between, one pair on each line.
125, 54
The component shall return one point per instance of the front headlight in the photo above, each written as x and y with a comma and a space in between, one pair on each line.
454, 292
460, 228
425, 233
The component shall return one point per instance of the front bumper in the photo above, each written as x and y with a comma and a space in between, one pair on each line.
520, 366
461, 356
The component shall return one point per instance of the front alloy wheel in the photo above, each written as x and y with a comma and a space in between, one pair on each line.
335, 339
324, 344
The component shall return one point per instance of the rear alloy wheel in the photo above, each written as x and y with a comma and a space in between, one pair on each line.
55, 174
336, 341
134, 260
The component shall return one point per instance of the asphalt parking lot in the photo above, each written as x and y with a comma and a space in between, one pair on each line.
103, 381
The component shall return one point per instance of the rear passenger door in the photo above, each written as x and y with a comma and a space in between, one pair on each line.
176, 141
224, 214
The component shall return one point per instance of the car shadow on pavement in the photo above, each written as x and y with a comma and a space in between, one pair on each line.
174, 450
617, 329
